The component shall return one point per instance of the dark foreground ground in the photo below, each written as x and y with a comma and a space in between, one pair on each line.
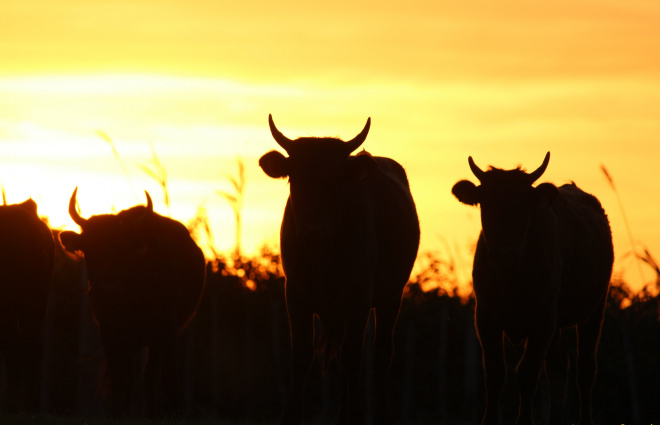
235, 356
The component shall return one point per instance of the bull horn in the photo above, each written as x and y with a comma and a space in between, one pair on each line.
355, 143
539, 171
73, 212
148, 210
478, 172
150, 204
280, 138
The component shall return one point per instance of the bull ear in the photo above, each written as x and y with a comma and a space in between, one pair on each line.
466, 192
274, 164
544, 194
71, 241
360, 167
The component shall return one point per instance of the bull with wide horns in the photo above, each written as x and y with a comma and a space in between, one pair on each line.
146, 278
543, 263
349, 239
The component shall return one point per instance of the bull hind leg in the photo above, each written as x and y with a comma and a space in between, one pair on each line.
350, 361
301, 323
23, 366
556, 370
386, 318
588, 337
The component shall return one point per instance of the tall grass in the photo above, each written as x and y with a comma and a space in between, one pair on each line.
624, 216
159, 174
199, 226
235, 200
102, 134
200, 230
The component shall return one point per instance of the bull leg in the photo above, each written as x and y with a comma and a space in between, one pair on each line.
492, 347
529, 372
588, 337
119, 356
350, 360
23, 364
301, 322
556, 368
162, 376
386, 317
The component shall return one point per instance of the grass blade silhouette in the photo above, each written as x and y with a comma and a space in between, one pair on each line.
633, 246
159, 173
235, 200
102, 134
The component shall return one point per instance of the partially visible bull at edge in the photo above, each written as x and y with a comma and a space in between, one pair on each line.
146, 279
26, 264
349, 239
543, 263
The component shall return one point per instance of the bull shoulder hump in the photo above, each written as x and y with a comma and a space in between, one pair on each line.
392, 168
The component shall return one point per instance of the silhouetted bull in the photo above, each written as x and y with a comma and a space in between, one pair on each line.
349, 239
146, 278
543, 262
26, 264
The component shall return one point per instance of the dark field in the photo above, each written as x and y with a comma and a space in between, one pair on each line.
235, 355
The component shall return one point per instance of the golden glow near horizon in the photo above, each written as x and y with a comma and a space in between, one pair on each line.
441, 81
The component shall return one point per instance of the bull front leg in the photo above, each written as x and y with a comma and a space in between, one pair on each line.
556, 372
491, 340
301, 323
529, 371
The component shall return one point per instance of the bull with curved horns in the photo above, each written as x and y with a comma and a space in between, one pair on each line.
349, 238
146, 278
543, 262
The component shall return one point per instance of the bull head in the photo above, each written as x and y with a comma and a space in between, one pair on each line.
507, 199
80, 242
277, 165
287, 143
468, 193
531, 177
80, 221
322, 173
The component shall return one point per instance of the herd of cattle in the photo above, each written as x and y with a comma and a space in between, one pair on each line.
349, 239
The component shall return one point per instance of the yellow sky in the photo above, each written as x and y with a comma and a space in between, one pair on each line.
502, 81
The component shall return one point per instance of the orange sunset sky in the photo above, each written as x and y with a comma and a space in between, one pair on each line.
502, 81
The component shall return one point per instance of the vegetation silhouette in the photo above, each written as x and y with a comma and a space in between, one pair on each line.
146, 278
543, 263
235, 353
349, 240
235, 200
103, 135
26, 265
159, 174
